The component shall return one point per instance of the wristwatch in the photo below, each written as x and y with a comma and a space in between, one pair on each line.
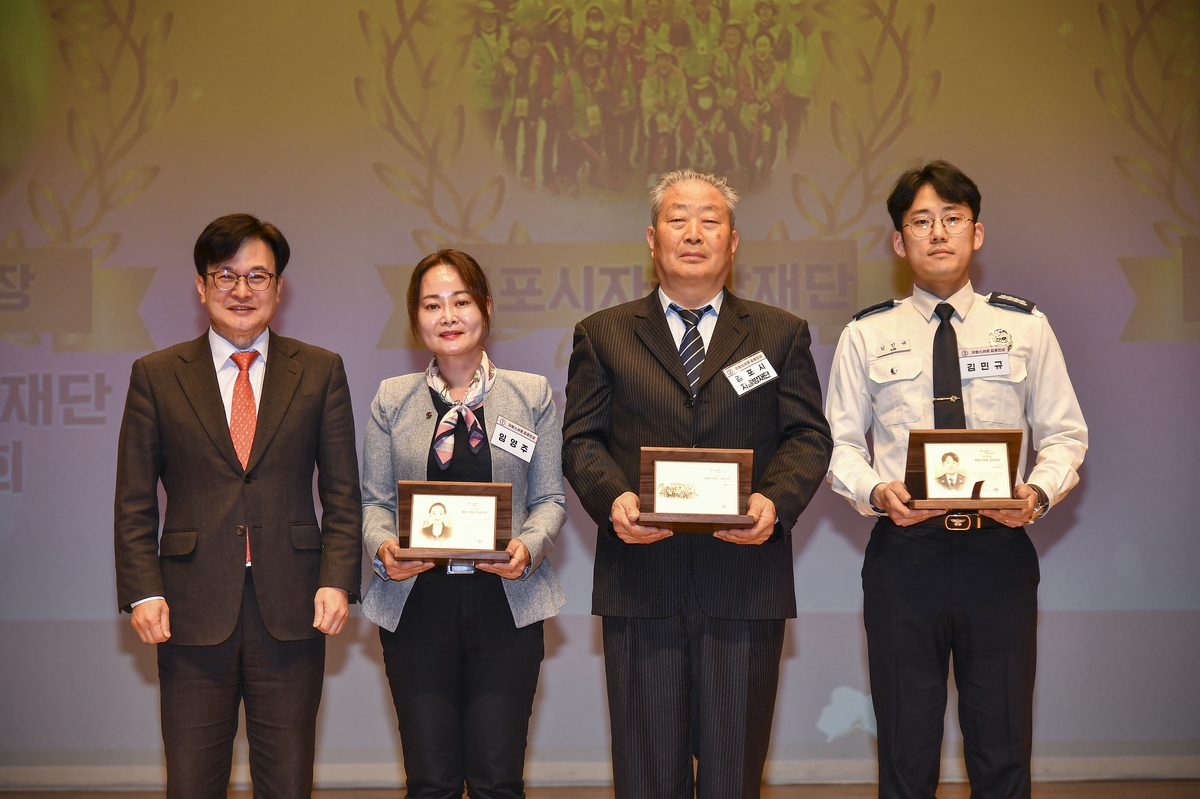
1043, 506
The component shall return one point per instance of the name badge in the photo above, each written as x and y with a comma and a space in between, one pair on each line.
983, 361
514, 439
750, 373
895, 346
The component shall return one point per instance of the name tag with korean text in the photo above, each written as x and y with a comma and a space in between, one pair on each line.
983, 362
750, 373
514, 439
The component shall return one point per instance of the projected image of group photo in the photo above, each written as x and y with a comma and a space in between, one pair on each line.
604, 96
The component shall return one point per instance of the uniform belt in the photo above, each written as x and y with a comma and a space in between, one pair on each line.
959, 520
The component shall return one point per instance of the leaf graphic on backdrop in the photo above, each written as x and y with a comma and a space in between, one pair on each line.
130, 186
377, 38
372, 101
14, 238
48, 211
839, 122
1171, 235
1115, 97
84, 66
456, 125
799, 184
778, 231
918, 30
1144, 177
846, 57
1187, 132
517, 234
102, 246
921, 97
867, 236
494, 186
84, 17
1181, 62
158, 105
445, 64
156, 36
429, 240
82, 142
1114, 28
394, 177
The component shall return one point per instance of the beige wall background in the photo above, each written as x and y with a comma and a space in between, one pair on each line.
126, 126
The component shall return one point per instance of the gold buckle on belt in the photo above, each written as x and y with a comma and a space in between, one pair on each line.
960, 521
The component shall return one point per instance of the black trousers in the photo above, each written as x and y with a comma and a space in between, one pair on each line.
929, 592
463, 677
201, 688
690, 686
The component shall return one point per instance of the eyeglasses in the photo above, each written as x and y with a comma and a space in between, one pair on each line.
226, 280
953, 224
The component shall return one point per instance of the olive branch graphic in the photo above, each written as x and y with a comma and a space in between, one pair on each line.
101, 47
1156, 93
875, 52
430, 145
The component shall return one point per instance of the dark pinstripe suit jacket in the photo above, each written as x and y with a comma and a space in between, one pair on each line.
627, 389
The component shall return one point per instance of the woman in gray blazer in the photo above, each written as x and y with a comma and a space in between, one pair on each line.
462, 651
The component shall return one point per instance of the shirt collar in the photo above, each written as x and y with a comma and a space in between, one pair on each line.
962, 300
715, 302
222, 348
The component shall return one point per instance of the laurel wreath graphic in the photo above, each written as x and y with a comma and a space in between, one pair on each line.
108, 56
1156, 94
872, 50
430, 145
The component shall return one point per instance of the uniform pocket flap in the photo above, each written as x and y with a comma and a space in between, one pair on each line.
306, 536
177, 542
1016, 371
887, 370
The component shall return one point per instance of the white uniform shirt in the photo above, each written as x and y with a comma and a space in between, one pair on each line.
882, 381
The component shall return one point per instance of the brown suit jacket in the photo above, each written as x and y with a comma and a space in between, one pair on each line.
174, 431
627, 389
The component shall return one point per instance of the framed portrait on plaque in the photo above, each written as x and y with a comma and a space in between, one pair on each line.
962, 469
453, 521
695, 490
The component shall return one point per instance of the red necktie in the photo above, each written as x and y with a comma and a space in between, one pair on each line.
243, 418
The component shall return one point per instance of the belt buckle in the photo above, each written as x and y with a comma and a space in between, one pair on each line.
460, 567
957, 521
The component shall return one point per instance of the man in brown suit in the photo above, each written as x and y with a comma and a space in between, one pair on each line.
244, 583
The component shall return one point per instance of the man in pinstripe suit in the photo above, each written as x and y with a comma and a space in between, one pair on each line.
693, 624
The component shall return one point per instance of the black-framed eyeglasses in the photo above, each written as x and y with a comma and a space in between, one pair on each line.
227, 280
953, 224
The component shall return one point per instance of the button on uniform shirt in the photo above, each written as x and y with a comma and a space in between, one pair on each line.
882, 381
708, 322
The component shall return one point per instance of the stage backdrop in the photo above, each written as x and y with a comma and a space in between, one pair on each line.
373, 132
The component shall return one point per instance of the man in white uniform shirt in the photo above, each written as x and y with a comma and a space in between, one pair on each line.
937, 583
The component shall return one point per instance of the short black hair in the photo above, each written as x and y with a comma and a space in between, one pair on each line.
950, 455
225, 235
951, 184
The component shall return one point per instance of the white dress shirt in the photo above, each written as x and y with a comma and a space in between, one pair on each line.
882, 382
227, 370
707, 324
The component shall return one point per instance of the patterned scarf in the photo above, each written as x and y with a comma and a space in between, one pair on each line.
481, 384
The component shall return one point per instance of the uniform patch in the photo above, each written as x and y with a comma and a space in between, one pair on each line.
876, 308
1009, 301
1001, 338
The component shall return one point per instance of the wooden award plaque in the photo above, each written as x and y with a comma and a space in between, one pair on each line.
678, 492
958, 458
474, 523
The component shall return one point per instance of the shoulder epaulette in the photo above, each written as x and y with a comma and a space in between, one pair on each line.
876, 308
1009, 301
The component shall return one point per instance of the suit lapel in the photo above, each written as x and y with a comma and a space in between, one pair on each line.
652, 329
198, 379
279, 386
728, 335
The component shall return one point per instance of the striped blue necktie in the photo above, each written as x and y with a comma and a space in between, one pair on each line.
691, 348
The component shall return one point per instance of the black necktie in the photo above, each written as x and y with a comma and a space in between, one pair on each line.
691, 347
947, 379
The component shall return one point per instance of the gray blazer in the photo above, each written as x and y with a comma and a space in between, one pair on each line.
397, 448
